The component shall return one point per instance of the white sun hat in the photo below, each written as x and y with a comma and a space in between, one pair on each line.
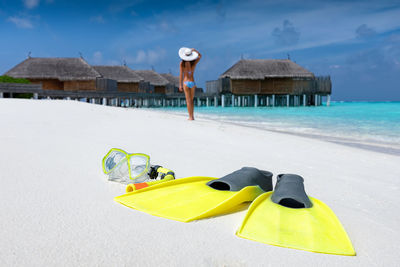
187, 54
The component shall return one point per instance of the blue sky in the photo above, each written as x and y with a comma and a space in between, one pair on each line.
356, 42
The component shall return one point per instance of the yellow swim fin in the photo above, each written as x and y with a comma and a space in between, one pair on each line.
289, 218
195, 198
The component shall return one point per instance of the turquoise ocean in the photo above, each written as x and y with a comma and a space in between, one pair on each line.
368, 125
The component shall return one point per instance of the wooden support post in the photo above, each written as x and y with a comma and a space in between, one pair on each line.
328, 100
163, 102
255, 101
273, 101
304, 100
233, 100
287, 100
239, 101
198, 102
207, 102
223, 101
35, 96
315, 100
1, 95
215, 101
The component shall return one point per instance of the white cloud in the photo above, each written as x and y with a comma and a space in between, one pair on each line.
146, 57
363, 31
98, 19
97, 57
113, 62
288, 35
122, 5
23, 23
31, 3
140, 57
168, 27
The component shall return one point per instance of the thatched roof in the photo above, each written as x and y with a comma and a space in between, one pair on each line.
171, 78
152, 77
256, 69
119, 73
63, 69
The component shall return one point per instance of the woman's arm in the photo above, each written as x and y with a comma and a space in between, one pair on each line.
198, 59
180, 76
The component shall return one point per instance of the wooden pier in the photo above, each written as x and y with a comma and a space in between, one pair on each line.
124, 99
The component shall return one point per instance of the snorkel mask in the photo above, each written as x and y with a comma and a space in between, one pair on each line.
126, 168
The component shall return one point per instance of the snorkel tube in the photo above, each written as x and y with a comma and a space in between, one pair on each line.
155, 171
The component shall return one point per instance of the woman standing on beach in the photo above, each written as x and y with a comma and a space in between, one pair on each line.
190, 57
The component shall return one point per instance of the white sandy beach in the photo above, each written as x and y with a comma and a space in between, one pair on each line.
57, 207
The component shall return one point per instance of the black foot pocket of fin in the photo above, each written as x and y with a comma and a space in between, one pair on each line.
246, 176
289, 192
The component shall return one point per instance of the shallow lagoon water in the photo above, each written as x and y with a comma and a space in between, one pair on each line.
367, 123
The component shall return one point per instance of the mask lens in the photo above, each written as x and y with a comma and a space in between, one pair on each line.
139, 165
113, 158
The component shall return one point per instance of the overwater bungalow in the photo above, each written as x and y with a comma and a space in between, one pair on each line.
246, 83
274, 81
156, 81
127, 80
69, 74
173, 83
